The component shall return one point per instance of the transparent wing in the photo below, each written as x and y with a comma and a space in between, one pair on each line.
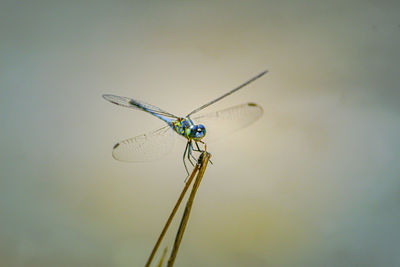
228, 93
222, 123
136, 104
146, 147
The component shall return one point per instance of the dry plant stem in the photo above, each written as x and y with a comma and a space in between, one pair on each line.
162, 257
205, 157
171, 216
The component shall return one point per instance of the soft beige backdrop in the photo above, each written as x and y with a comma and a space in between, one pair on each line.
314, 182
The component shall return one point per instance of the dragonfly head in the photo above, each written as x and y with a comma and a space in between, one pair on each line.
196, 132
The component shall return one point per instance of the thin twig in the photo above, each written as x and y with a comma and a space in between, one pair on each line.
162, 257
171, 216
203, 165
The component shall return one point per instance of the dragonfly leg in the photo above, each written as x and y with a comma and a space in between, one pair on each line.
192, 149
190, 153
198, 148
205, 149
184, 160
205, 145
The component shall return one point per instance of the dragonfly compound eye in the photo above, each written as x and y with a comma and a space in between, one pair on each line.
201, 131
196, 132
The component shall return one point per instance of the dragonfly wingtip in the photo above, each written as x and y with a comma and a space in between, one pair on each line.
254, 105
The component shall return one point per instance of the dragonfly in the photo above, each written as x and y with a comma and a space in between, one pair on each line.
193, 127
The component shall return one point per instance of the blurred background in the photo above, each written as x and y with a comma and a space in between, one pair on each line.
314, 182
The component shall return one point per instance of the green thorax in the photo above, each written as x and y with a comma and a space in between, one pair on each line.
181, 126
